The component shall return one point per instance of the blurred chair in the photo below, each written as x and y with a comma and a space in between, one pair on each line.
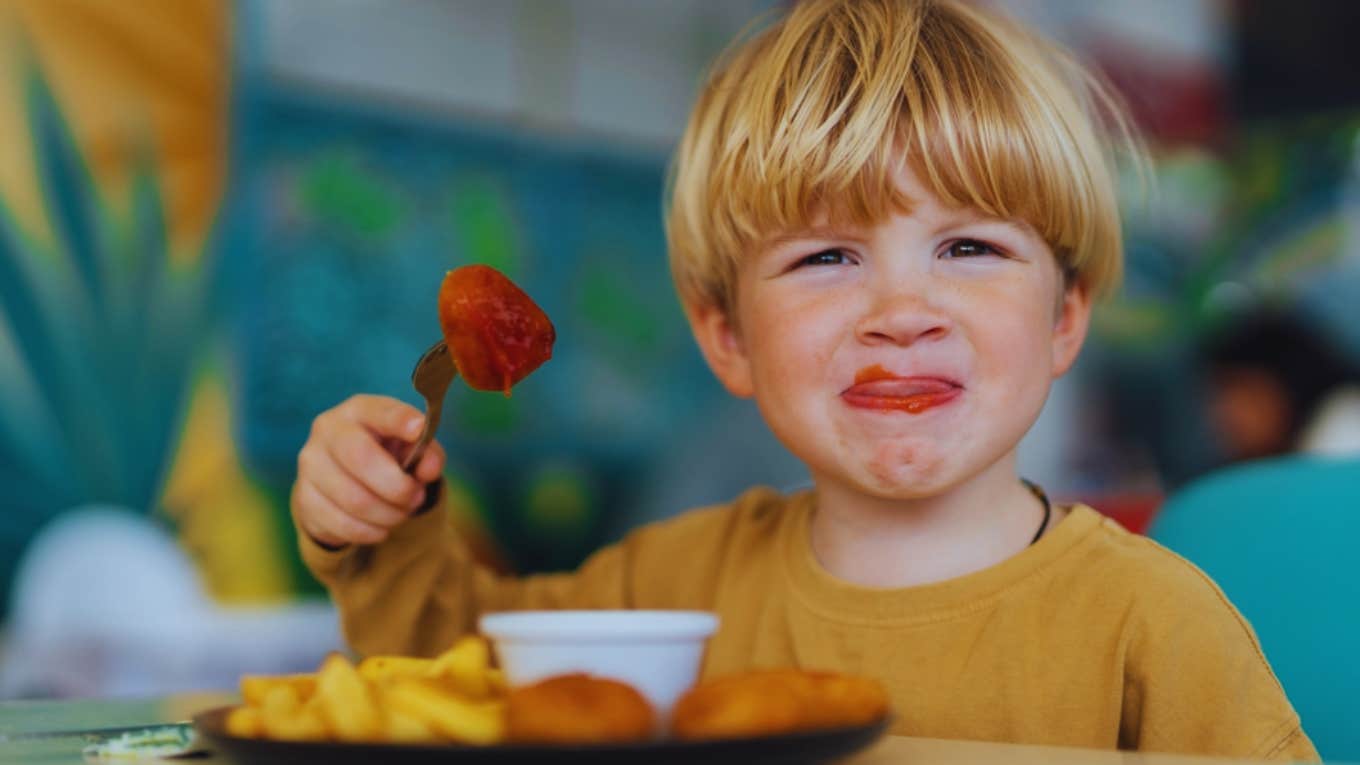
1279, 536
107, 604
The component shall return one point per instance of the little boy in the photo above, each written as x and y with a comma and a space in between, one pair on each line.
887, 223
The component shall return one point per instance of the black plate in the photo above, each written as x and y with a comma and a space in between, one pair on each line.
812, 746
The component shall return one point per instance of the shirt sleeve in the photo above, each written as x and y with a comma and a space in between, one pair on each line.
1197, 681
421, 589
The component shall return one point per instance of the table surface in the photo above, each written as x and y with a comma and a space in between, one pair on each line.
20, 720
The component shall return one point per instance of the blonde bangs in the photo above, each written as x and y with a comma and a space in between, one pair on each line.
812, 117
1012, 129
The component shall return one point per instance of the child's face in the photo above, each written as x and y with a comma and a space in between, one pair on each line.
903, 359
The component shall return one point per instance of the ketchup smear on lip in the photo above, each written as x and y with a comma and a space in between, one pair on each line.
914, 403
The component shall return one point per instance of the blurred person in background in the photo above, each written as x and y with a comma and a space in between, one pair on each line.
1278, 385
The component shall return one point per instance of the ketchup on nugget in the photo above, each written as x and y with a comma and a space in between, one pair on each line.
496, 334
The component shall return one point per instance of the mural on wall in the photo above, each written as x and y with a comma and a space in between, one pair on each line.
352, 219
99, 336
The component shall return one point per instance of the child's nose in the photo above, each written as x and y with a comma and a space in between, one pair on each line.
902, 319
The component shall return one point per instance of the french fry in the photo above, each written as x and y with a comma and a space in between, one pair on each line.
404, 729
400, 727
254, 687
245, 722
302, 724
346, 703
456, 696
437, 706
466, 666
283, 716
380, 669
280, 699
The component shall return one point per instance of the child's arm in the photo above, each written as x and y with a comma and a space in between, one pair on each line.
421, 589
403, 580
1198, 682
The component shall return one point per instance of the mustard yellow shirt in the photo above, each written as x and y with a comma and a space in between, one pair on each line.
1091, 637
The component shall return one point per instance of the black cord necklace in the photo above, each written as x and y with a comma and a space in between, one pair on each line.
1048, 508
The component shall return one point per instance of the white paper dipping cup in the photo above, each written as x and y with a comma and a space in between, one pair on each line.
656, 652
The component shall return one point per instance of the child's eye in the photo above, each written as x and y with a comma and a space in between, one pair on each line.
831, 257
969, 248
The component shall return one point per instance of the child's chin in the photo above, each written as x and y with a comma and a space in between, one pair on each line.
904, 484
903, 471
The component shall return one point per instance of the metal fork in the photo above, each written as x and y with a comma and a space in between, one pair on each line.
431, 379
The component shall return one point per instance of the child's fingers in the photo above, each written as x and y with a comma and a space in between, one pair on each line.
359, 454
385, 416
348, 495
432, 464
326, 523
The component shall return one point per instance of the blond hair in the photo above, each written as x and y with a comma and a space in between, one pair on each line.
813, 115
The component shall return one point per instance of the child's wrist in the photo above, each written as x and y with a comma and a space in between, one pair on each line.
434, 491
327, 546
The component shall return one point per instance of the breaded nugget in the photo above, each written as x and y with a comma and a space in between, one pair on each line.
770, 702
749, 704
578, 709
840, 701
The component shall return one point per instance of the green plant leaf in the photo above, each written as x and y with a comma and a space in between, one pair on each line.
34, 340
110, 351
146, 265
66, 185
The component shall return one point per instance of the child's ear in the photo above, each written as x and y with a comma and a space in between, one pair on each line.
722, 347
1074, 318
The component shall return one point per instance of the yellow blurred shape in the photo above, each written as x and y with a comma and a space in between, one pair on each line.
225, 519
381, 669
124, 77
245, 722
283, 716
403, 728
280, 699
254, 688
434, 704
346, 702
302, 723
467, 667
456, 696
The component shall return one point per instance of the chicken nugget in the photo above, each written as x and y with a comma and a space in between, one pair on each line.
777, 701
762, 703
579, 709
842, 701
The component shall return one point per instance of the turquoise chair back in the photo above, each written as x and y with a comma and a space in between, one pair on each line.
1282, 538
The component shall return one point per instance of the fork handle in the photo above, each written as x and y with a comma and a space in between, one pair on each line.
432, 411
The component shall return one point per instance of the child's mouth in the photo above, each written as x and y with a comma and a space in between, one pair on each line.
876, 388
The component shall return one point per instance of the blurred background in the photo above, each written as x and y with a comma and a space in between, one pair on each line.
218, 219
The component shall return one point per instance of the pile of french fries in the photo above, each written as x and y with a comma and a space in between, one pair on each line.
455, 697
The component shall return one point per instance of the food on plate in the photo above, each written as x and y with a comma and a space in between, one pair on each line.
458, 697
255, 687
346, 702
449, 716
455, 697
495, 333
770, 702
579, 709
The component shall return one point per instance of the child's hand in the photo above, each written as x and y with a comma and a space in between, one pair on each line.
350, 486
